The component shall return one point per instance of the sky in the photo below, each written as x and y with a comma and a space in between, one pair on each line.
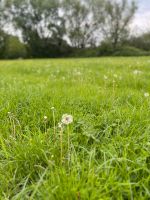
141, 20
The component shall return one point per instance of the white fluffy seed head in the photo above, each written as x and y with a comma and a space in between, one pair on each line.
60, 125
52, 108
146, 94
105, 77
136, 72
115, 76
67, 119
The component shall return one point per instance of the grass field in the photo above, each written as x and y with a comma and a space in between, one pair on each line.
109, 139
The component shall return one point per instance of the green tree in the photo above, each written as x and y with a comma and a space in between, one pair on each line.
39, 22
3, 21
114, 18
142, 41
80, 25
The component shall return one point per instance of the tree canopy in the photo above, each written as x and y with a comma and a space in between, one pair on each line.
54, 28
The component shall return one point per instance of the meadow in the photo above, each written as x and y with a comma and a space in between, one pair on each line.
103, 154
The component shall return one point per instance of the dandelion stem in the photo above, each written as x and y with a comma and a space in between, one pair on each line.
68, 145
61, 145
105, 84
11, 123
14, 128
45, 124
113, 88
45, 127
54, 123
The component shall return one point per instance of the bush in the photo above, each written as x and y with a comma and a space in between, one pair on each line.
141, 42
87, 52
14, 48
130, 51
105, 49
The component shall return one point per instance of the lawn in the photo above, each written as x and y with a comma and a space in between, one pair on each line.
103, 154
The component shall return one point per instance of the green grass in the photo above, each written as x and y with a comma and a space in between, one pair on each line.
109, 137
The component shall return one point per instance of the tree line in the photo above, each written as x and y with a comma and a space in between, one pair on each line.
60, 28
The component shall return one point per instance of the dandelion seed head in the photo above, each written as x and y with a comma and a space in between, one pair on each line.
115, 75
52, 108
146, 94
63, 78
78, 73
105, 77
137, 72
67, 119
60, 125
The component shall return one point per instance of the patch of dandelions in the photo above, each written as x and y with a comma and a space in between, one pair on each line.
47, 65
117, 77
137, 72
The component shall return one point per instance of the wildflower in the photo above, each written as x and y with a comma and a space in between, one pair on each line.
52, 108
60, 125
78, 73
115, 75
67, 119
45, 117
146, 94
136, 72
105, 77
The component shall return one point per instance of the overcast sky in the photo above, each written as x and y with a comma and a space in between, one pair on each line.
141, 21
